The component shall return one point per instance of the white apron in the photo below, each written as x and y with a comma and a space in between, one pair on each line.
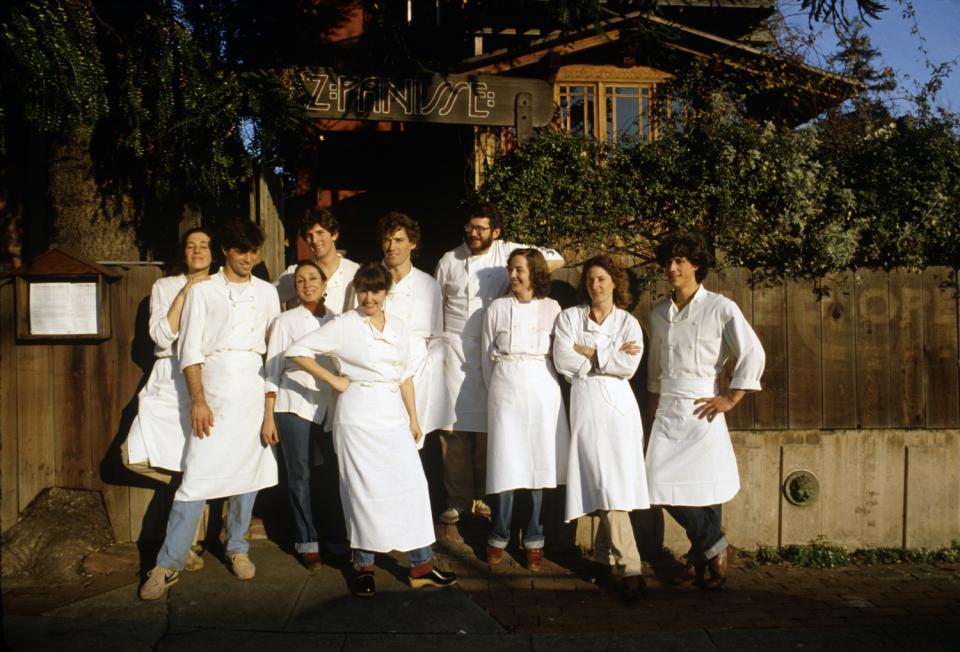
434, 407
232, 460
527, 439
464, 377
162, 425
690, 461
386, 503
606, 470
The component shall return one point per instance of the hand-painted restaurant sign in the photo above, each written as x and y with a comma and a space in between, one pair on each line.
453, 99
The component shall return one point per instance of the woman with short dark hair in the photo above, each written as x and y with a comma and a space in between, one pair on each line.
527, 432
376, 430
597, 347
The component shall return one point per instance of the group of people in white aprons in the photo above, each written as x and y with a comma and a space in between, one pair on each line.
373, 357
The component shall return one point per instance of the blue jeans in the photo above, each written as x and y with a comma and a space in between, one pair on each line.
297, 440
182, 523
503, 515
416, 557
702, 525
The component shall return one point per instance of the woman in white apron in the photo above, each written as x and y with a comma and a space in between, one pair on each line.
375, 430
154, 446
527, 433
296, 409
597, 346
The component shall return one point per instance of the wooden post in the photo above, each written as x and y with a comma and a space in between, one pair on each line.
524, 122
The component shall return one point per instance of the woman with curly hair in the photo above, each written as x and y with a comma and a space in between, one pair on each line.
597, 347
527, 436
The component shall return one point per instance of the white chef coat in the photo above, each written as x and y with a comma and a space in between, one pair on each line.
160, 430
416, 301
605, 470
386, 503
339, 295
298, 392
223, 327
690, 461
528, 437
468, 285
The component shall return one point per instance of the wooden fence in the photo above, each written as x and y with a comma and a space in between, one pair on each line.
879, 352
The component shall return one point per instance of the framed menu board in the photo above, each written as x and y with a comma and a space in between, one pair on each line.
63, 296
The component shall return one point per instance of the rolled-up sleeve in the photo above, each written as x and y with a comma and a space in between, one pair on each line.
160, 331
745, 346
192, 327
568, 362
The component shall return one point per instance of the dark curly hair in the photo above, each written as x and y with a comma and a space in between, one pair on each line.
483, 209
689, 245
394, 221
621, 284
242, 235
323, 217
539, 274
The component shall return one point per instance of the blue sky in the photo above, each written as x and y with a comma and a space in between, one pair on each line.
937, 22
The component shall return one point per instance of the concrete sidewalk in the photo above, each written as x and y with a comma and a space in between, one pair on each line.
504, 608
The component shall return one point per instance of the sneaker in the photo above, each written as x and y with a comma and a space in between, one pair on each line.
494, 554
450, 516
480, 508
534, 559
366, 586
159, 579
435, 577
242, 567
194, 562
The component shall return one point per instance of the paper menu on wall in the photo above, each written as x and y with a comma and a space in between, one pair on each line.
63, 309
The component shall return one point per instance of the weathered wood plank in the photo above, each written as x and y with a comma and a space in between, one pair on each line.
942, 386
838, 321
874, 399
105, 416
804, 361
734, 283
71, 418
37, 461
906, 349
769, 322
9, 450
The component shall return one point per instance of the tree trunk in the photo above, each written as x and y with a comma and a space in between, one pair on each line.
87, 220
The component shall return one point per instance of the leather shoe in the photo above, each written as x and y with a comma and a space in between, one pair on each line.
435, 577
632, 587
366, 586
719, 566
689, 572
312, 561
494, 554
534, 559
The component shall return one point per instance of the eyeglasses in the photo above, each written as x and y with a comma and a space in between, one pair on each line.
473, 228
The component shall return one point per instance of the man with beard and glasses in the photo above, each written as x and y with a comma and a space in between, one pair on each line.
470, 277
320, 229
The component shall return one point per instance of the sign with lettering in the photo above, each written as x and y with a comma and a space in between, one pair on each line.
451, 99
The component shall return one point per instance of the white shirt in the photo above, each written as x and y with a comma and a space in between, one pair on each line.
512, 328
297, 390
339, 295
350, 338
469, 283
694, 343
162, 295
222, 316
417, 301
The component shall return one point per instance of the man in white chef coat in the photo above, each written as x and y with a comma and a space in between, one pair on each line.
320, 229
470, 277
415, 299
691, 466
222, 341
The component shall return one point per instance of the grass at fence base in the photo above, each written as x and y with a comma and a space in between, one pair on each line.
820, 553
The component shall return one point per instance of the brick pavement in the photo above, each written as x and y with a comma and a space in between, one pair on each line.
564, 597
